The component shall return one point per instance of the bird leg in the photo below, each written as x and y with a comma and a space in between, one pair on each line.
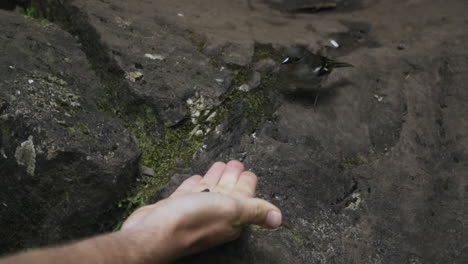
316, 101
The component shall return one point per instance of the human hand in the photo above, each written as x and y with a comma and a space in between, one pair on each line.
192, 220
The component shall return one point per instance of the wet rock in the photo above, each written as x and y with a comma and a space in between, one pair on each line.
64, 164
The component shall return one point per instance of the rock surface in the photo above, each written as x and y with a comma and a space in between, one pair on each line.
360, 178
127, 33
63, 163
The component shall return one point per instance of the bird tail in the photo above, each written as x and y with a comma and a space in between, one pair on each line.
337, 64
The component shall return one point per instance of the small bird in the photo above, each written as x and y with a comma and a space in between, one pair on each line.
304, 70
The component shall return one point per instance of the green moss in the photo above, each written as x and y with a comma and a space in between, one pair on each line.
198, 40
163, 153
29, 10
296, 235
80, 129
264, 51
253, 105
242, 76
355, 161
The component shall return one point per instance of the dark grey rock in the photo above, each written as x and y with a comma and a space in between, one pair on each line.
63, 164
147, 171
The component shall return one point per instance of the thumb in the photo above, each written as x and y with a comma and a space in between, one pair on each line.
260, 212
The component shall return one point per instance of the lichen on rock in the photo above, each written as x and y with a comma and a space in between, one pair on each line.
25, 155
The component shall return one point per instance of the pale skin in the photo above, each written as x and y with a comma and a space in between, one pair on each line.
189, 221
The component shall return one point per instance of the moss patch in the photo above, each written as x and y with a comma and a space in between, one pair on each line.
81, 130
355, 160
264, 51
163, 152
297, 235
29, 9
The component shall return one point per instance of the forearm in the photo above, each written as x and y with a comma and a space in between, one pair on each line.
119, 247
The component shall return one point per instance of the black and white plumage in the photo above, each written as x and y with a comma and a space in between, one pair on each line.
303, 69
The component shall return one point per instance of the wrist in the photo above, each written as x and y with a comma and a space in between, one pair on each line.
143, 246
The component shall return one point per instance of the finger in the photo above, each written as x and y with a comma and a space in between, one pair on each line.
246, 184
187, 186
230, 176
259, 212
212, 176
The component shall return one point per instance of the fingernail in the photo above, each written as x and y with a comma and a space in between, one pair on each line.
273, 219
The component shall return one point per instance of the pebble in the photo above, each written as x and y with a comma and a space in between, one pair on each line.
334, 43
195, 130
244, 88
219, 129
122, 22
357, 201
2, 152
154, 56
211, 117
30, 81
378, 97
134, 76
147, 171
199, 133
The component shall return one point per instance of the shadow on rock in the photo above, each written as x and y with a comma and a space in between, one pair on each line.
316, 97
